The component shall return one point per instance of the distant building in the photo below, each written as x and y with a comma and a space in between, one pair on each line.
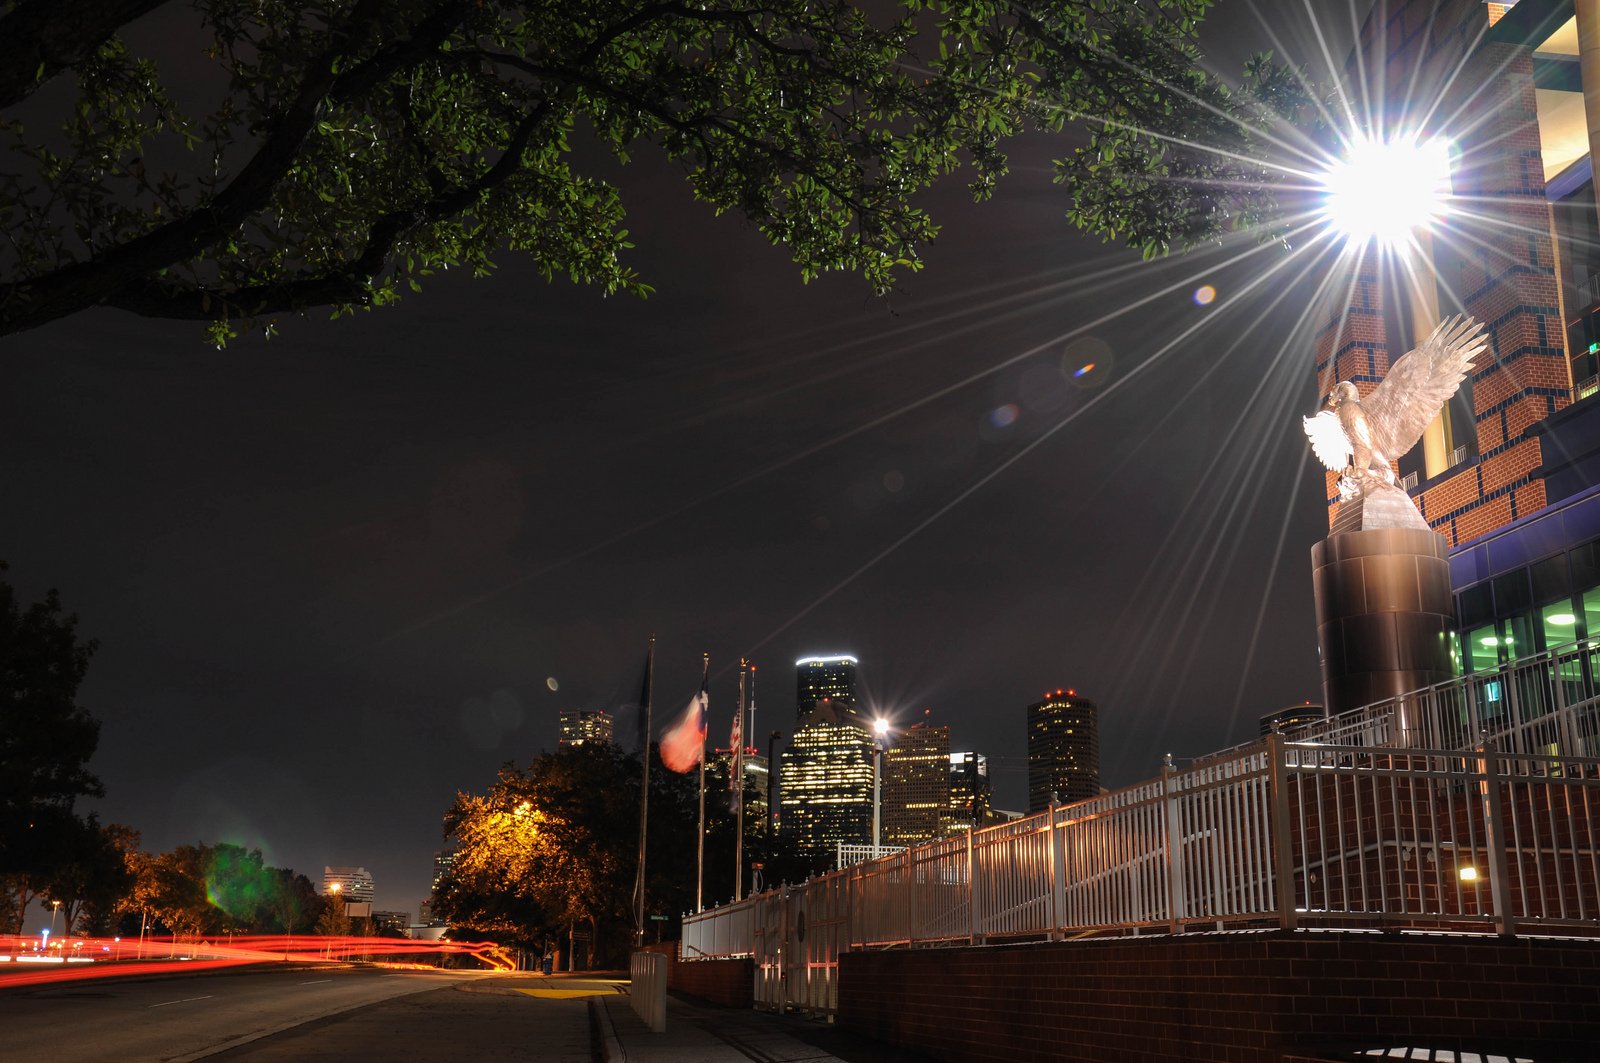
970, 793
580, 726
354, 884
825, 792
391, 922
1063, 750
1291, 717
826, 679
916, 785
757, 785
720, 764
441, 863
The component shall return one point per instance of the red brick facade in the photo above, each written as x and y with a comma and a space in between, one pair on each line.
730, 983
1228, 998
1498, 255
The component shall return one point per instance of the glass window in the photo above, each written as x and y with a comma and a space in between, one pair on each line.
1550, 578
1585, 565
1511, 592
1591, 614
1476, 605
1457, 665
1483, 645
1559, 623
1516, 637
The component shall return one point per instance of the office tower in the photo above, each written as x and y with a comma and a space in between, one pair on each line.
354, 884
578, 726
1063, 750
916, 785
826, 679
970, 795
441, 864
825, 792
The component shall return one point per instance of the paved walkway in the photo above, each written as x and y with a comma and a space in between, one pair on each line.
733, 1035
560, 1019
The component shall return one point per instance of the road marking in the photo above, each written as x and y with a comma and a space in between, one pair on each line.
561, 994
185, 1000
317, 981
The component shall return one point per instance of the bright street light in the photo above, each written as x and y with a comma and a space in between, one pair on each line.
880, 730
1382, 190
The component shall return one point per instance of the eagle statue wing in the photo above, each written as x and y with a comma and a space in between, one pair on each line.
1328, 441
1420, 383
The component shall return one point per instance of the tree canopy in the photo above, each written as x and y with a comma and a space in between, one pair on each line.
555, 845
46, 740
292, 155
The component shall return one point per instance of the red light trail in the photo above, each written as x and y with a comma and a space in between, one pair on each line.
28, 960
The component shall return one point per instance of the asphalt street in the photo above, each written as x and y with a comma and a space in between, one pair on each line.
178, 1019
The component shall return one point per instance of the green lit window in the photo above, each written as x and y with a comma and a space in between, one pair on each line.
1559, 622
1483, 646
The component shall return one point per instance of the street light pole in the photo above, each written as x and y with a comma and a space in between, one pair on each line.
880, 728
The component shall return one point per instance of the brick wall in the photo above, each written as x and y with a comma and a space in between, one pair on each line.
1504, 274
1239, 998
730, 983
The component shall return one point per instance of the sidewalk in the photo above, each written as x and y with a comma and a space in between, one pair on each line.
573, 1018
710, 1034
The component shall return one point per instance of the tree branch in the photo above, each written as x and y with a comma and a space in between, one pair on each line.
347, 284
28, 304
41, 38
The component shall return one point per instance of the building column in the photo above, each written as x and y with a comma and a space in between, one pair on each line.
1588, 15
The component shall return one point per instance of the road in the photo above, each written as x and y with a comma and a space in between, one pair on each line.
178, 1019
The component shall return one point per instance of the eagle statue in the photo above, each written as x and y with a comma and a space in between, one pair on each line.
1361, 438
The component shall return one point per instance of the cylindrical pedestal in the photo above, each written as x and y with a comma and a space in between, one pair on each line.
1384, 613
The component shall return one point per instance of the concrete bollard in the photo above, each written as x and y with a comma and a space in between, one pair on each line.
648, 994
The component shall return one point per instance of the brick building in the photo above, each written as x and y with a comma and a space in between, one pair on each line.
1518, 254
1508, 473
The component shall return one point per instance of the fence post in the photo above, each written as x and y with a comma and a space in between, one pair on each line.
1173, 847
1282, 851
911, 896
1493, 806
1058, 876
972, 892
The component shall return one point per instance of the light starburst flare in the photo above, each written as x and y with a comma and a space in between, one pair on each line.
1385, 190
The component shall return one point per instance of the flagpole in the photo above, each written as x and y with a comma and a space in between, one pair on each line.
644, 796
700, 849
736, 772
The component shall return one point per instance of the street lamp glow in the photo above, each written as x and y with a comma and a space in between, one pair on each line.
1382, 190
880, 727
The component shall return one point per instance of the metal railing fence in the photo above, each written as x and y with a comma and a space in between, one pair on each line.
1352, 821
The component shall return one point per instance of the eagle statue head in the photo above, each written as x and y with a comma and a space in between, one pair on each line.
1342, 392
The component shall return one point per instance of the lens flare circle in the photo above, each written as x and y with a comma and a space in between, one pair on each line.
1204, 294
1382, 190
1086, 362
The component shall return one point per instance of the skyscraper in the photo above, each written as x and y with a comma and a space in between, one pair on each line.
970, 795
819, 679
1063, 749
916, 785
578, 726
825, 790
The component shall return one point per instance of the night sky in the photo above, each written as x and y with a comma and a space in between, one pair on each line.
339, 575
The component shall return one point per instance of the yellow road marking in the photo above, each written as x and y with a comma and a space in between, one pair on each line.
561, 994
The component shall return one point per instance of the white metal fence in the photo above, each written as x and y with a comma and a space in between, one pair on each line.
1347, 822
